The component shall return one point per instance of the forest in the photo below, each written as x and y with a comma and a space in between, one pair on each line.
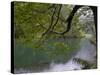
46, 35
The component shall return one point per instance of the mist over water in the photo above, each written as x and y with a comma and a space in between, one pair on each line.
87, 52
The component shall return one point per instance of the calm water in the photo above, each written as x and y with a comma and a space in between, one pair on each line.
83, 49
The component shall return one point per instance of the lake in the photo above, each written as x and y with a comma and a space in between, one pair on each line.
54, 55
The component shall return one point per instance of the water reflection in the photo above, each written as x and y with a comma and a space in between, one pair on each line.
86, 51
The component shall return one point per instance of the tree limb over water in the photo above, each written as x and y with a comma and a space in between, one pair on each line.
69, 19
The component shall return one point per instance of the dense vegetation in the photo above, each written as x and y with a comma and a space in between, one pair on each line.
38, 32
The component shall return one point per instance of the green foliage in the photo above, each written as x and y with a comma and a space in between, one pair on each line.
31, 20
27, 21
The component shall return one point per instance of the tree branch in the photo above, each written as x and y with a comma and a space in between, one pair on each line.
69, 19
57, 17
52, 18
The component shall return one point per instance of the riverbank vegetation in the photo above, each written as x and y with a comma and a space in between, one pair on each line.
40, 33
